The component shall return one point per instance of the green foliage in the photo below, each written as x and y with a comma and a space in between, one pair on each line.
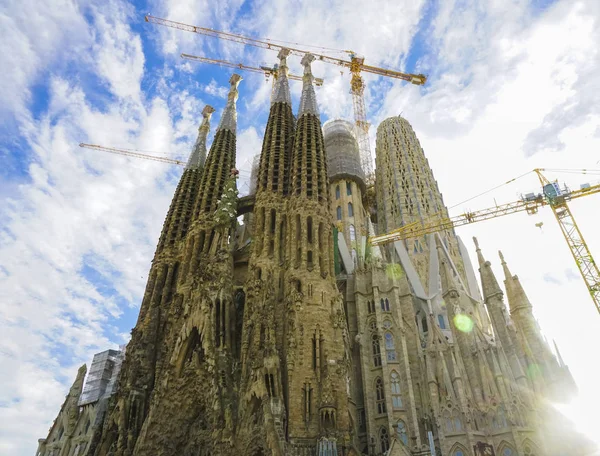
227, 206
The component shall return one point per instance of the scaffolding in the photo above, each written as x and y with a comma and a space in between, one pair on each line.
102, 377
341, 149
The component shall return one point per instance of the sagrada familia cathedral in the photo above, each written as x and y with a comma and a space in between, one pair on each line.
290, 334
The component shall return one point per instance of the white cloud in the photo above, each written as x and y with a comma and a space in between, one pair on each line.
34, 34
81, 212
215, 90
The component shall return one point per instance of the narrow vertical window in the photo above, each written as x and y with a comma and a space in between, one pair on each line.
348, 188
387, 305
217, 323
298, 234
382, 304
402, 433
380, 396
338, 213
350, 210
396, 398
384, 440
314, 351
352, 233
442, 322
309, 230
376, 350
390, 349
337, 192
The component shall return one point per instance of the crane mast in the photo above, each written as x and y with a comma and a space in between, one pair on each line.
579, 249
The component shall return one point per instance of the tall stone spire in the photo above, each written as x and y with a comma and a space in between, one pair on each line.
274, 168
489, 284
229, 118
317, 319
309, 169
221, 158
281, 89
514, 290
308, 99
198, 155
180, 212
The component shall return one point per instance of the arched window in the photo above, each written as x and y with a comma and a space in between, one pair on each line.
352, 233
380, 396
396, 398
499, 421
382, 304
384, 439
459, 453
338, 213
442, 322
401, 432
350, 210
387, 305
376, 351
390, 349
337, 192
348, 188
371, 307
508, 451
530, 449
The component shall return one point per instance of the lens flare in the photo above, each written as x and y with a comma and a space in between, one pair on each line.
394, 271
463, 323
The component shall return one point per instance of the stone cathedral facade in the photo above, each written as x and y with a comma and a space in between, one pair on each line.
291, 335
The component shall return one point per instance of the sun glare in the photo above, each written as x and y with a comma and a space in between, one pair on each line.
582, 412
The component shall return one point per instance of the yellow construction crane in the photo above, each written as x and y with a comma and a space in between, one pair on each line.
552, 195
267, 71
356, 65
137, 154
131, 153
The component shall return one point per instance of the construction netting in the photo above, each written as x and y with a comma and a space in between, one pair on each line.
341, 149
102, 376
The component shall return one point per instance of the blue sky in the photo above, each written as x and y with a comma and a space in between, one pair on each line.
512, 86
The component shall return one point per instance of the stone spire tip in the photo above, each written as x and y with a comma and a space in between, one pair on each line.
207, 111
308, 99
198, 155
281, 85
229, 118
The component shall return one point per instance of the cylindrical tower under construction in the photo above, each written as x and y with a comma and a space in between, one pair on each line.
346, 184
407, 192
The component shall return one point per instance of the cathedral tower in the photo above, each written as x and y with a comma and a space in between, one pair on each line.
264, 380
317, 361
347, 187
408, 193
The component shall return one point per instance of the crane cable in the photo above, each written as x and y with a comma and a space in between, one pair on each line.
491, 189
593, 172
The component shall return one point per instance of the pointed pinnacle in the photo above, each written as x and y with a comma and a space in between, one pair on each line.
507, 274
308, 99
229, 117
281, 85
198, 155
